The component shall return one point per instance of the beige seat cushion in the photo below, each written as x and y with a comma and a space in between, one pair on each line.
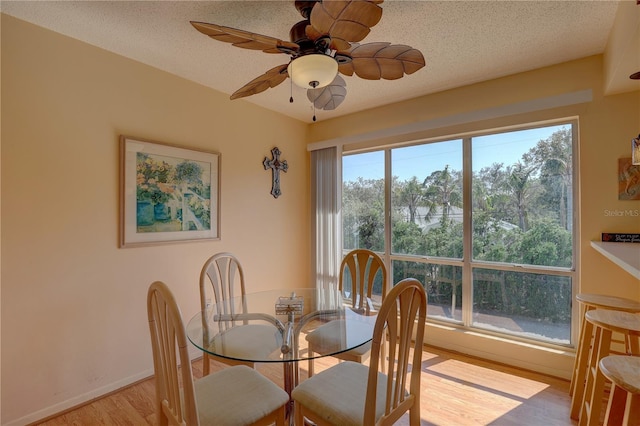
251, 341
338, 394
330, 337
217, 397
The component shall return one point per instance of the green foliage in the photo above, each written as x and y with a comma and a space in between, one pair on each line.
548, 244
521, 215
363, 214
515, 294
370, 231
407, 238
443, 191
412, 195
444, 240
553, 158
188, 172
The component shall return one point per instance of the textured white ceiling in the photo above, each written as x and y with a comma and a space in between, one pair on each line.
463, 42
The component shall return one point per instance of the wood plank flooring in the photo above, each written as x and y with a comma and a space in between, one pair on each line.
456, 391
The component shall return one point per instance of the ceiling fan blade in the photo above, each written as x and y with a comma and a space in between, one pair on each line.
329, 97
373, 61
269, 79
344, 21
245, 39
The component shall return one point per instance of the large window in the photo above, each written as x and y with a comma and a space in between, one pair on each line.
485, 222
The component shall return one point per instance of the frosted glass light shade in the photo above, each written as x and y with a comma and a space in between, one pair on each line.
313, 71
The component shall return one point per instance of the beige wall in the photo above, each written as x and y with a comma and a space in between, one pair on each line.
72, 310
73, 304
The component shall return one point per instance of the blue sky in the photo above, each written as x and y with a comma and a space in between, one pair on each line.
422, 160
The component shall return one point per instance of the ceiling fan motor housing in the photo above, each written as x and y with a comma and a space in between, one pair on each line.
297, 35
304, 7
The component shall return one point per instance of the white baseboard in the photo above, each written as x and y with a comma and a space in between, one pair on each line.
79, 399
86, 397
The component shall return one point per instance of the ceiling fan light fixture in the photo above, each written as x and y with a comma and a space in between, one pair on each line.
313, 71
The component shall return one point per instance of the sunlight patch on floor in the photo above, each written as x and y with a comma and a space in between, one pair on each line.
488, 379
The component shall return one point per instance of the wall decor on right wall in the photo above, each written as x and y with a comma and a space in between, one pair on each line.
635, 151
628, 180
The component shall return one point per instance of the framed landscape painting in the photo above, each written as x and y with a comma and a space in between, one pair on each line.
167, 193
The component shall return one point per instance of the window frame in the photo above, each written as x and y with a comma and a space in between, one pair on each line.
467, 263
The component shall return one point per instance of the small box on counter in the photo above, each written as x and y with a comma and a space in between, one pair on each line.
620, 238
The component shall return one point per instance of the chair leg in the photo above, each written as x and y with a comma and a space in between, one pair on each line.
281, 416
414, 414
298, 416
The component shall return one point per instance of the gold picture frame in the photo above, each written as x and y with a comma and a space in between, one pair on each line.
168, 193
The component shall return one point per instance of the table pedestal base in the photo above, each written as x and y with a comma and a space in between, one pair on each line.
291, 380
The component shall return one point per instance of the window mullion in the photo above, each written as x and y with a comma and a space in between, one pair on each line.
467, 288
387, 216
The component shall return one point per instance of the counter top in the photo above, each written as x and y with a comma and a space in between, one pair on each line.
625, 255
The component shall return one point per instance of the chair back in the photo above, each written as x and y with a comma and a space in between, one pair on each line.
174, 407
221, 279
361, 266
401, 317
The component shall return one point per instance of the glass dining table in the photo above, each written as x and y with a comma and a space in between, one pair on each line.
272, 326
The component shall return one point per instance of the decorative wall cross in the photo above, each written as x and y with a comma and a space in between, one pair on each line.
276, 166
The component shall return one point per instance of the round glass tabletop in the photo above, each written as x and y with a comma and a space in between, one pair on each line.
278, 326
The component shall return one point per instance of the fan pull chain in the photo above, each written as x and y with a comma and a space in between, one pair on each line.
291, 90
313, 84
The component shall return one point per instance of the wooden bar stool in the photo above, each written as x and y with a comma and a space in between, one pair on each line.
623, 407
605, 323
589, 301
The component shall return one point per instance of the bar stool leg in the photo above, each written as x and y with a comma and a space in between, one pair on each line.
592, 401
580, 371
623, 407
616, 406
579, 362
633, 345
632, 411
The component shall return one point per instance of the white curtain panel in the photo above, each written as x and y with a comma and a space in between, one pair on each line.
325, 210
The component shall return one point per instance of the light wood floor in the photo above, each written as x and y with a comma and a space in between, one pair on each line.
456, 391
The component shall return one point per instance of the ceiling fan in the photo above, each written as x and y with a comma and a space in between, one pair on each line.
324, 43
